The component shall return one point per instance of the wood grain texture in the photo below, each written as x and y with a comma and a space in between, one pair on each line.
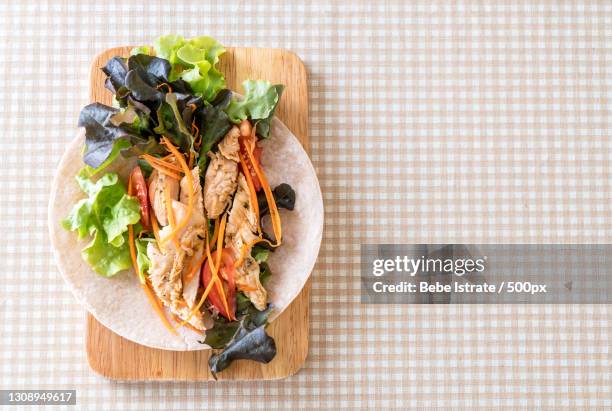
115, 357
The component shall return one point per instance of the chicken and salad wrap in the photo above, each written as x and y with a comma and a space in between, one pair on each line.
196, 219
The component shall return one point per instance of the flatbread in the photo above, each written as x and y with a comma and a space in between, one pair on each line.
120, 304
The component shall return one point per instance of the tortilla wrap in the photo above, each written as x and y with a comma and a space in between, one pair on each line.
119, 302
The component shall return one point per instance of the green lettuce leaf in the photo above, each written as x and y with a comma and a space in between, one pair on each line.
264, 272
105, 259
260, 254
140, 50
105, 213
115, 219
144, 263
80, 219
258, 105
194, 61
93, 188
166, 46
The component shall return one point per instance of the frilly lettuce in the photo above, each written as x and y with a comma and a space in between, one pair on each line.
194, 61
105, 213
109, 131
260, 100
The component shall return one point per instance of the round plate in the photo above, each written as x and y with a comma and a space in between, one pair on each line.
119, 302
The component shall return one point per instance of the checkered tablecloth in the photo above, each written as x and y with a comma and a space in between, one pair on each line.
430, 122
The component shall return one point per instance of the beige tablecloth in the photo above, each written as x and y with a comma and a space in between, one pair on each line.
430, 122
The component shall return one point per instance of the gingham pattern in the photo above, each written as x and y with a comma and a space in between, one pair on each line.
430, 122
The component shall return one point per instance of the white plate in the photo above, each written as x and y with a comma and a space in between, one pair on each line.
120, 304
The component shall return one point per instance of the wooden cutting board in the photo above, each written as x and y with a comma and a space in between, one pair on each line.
115, 357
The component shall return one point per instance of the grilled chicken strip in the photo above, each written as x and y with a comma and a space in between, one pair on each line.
240, 230
165, 275
197, 189
220, 178
230, 145
158, 183
172, 267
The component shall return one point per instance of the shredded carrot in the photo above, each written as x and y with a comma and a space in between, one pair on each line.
252, 192
246, 247
202, 299
274, 215
214, 280
218, 262
214, 277
213, 239
195, 268
276, 223
165, 84
155, 226
191, 327
191, 159
131, 238
163, 167
162, 162
170, 212
197, 142
129, 187
213, 267
246, 288
197, 130
165, 171
191, 194
157, 306
193, 124
144, 282
133, 251
169, 209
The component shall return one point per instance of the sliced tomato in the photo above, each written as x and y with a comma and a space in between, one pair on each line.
227, 279
140, 187
257, 155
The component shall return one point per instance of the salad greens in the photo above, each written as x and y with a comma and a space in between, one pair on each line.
194, 61
260, 254
242, 339
284, 196
105, 214
260, 101
173, 93
247, 344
